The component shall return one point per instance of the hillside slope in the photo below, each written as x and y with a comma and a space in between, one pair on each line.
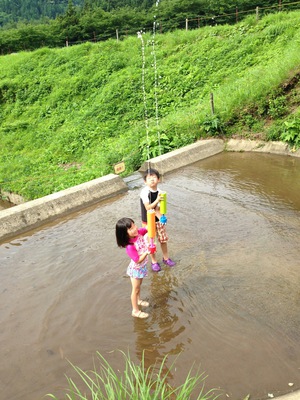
67, 115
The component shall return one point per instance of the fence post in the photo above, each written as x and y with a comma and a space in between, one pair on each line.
67, 42
212, 105
117, 34
186, 24
257, 17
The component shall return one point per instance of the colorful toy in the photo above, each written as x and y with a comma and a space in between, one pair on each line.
151, 226
163, 207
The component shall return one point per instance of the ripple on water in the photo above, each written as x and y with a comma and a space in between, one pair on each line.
231, 304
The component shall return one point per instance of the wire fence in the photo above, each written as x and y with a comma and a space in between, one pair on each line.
197, 22
162, 26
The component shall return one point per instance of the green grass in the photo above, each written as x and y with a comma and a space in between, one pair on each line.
136, 383
68, 115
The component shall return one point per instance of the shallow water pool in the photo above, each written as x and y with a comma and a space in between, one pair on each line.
230, 306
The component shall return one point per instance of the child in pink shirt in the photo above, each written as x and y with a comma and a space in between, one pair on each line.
133, 240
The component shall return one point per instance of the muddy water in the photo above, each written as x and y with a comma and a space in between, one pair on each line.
5, 204
231, 305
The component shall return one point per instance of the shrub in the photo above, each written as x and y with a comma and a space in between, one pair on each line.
291, 133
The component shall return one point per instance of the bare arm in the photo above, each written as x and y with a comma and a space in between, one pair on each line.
153, 206
133, 254
143, 256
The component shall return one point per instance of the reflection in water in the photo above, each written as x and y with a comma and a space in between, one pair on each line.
230, 306
154, 335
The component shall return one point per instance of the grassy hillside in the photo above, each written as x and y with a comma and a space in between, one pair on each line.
67, 115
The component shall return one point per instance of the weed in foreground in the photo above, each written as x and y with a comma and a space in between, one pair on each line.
136, 383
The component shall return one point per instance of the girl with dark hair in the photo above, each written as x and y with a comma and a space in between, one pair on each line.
131, 238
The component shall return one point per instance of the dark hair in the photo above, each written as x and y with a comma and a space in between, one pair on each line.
151, 171
122, 236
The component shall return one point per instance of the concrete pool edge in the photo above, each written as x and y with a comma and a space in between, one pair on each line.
33, 214
260, 146
290, 396
186, 155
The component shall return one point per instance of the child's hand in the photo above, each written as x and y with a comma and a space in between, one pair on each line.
152, 249
161, 197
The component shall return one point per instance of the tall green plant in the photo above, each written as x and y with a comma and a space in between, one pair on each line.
291, 133
136, 383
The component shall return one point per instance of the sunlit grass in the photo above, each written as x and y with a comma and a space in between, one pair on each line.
137, 382
83, 105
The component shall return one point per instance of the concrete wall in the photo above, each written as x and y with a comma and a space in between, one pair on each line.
185, 156
21, 218
261, 147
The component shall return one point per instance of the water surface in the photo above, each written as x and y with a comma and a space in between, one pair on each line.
230, 306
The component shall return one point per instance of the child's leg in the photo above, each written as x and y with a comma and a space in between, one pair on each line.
155, 266
163, 238
153, 258
135, 298
164, 249
135, 293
